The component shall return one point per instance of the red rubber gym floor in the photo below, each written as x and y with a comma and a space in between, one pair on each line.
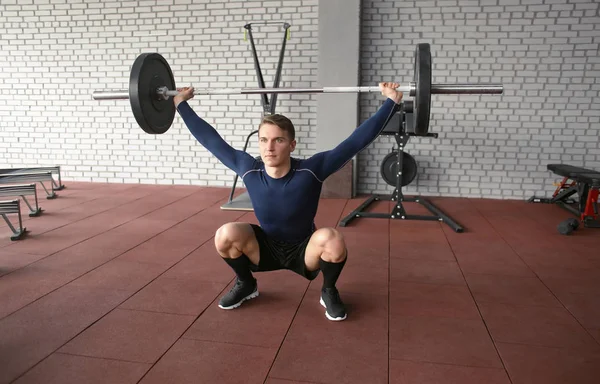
119, 284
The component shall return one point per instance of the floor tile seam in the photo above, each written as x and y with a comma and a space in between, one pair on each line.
554, 347
420, 258
460, 319
423, 361
420, 281
427, 261
99, 358
537, 345
212, 341
294, 381
195, 316
433, 316
185, 278
536, 277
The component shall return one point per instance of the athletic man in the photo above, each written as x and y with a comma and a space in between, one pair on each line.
285, 194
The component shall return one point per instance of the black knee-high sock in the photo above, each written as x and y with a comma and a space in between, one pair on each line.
331, 272
241, 267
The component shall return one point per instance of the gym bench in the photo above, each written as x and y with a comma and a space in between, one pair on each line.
23, 190
10, 207
576, 180
41, 177
56, 184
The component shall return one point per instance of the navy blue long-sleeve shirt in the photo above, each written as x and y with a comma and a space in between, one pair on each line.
286, 207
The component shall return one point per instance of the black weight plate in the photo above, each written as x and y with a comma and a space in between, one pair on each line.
389, 168
149, 72
422, 100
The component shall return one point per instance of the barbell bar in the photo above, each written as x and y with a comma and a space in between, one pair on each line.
151, 85
436, 89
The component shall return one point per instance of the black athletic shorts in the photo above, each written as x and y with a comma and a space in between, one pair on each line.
275, 254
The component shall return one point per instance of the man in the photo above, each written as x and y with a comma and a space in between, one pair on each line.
285, 194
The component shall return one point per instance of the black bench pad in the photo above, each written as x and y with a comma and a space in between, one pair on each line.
592, 179
570, 171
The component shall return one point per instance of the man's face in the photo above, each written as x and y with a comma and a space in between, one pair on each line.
275, 145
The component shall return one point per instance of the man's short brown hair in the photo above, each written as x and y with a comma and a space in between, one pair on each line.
282, 122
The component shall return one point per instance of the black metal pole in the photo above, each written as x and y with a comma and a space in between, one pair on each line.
273, 105
261, 80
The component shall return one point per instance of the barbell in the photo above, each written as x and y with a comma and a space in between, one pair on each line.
151, 86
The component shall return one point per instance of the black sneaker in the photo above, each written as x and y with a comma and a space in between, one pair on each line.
240, 292
330, 299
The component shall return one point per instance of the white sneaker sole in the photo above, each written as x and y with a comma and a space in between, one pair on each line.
250, 296
327, 314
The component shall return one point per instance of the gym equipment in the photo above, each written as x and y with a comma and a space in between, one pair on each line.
242, 202
23, 190
568, 226
400, 125
25, 177
151, 85
566, 188
389, 168
268, 106
8, 207
57, 184
583, 182
153, 114
422, 101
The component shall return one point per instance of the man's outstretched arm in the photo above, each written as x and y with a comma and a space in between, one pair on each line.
209, 137
326, 163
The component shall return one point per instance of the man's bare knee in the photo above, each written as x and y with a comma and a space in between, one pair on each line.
234, 239
331, 240
228, 239
327, 244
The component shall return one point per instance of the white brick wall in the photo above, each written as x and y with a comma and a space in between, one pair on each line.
56, 53
545, 52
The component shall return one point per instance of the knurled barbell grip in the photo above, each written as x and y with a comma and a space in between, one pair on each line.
467, 89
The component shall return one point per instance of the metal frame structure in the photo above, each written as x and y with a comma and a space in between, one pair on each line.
242, 202
400, 126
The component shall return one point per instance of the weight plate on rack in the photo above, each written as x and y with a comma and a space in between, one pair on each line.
389, 168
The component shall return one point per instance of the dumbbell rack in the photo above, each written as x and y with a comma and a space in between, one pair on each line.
400, 127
